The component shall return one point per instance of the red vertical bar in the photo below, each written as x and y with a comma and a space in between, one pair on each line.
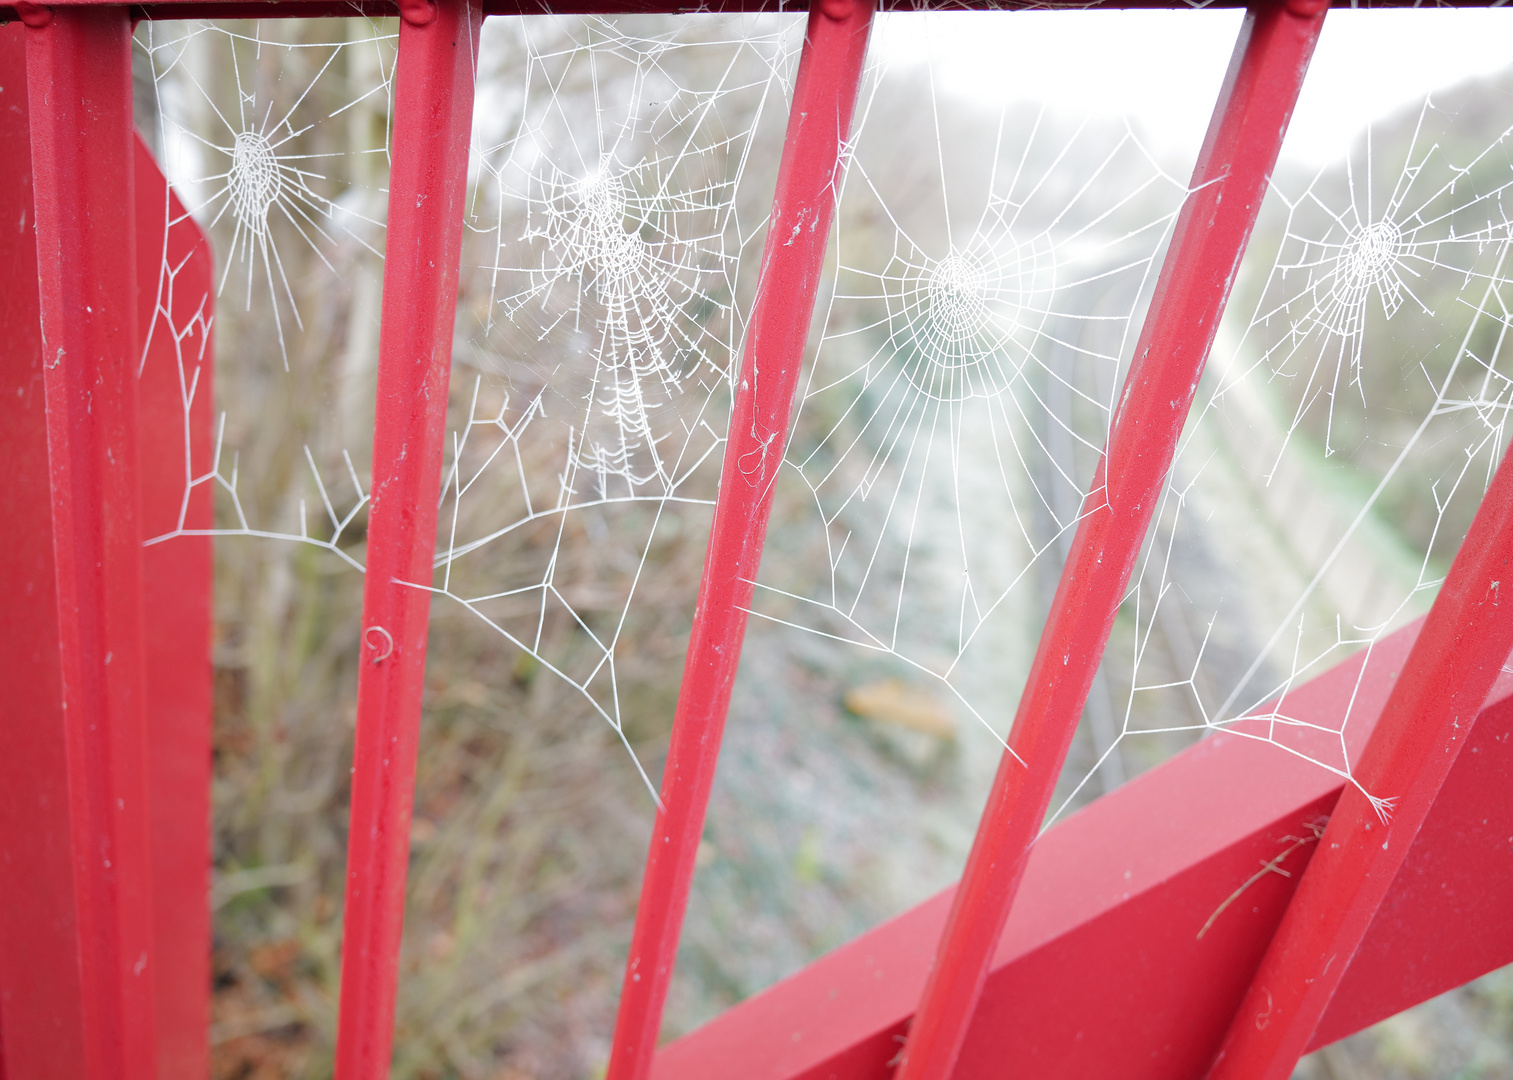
433, 109
78, 68
41, 1025
819, 122
1458, 656
39, 967
174, 421
1244, 138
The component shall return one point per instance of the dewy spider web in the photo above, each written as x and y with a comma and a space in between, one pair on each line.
962, 388
963, 385
1361, 413
1345, 250
278, 145
251, 161
613, 206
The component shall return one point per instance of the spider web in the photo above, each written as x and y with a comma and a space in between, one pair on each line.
962, 391
613, 226
963, 385
978, 322
1360, 414
277, 145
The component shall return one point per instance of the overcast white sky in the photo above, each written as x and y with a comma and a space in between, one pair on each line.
1163, 68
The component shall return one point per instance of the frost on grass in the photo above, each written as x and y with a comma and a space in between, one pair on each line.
273, 135
1352, 416
981, 307
616, 225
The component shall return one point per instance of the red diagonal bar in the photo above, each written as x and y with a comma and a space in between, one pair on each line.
1244, 137
78, 76
1101, 973
433, 109
1456, 659
819, 123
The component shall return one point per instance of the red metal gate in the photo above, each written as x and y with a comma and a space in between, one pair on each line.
103, 891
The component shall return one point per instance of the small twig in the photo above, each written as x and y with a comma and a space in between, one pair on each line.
1270, 866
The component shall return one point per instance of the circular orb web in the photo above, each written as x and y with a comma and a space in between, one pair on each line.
603, 199
960, 324
618, 255
958, 300
600, 240
254, 181
1367, 259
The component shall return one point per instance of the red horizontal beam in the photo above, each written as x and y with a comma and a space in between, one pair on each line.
1460, 653
1100, 971
272, 9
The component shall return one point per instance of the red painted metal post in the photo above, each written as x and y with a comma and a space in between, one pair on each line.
1260, 89
433, 110
41, 1024
819, 124
78, 69
175, 420
39, 967
1456, 659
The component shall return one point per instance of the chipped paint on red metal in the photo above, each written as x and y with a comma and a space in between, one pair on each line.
1101, 971
78, 68
433, 110
819, 124
1458, 656
1229, 181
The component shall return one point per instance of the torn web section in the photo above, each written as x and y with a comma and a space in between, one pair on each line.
1350, 419
622, 182
274, 134
989, 264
